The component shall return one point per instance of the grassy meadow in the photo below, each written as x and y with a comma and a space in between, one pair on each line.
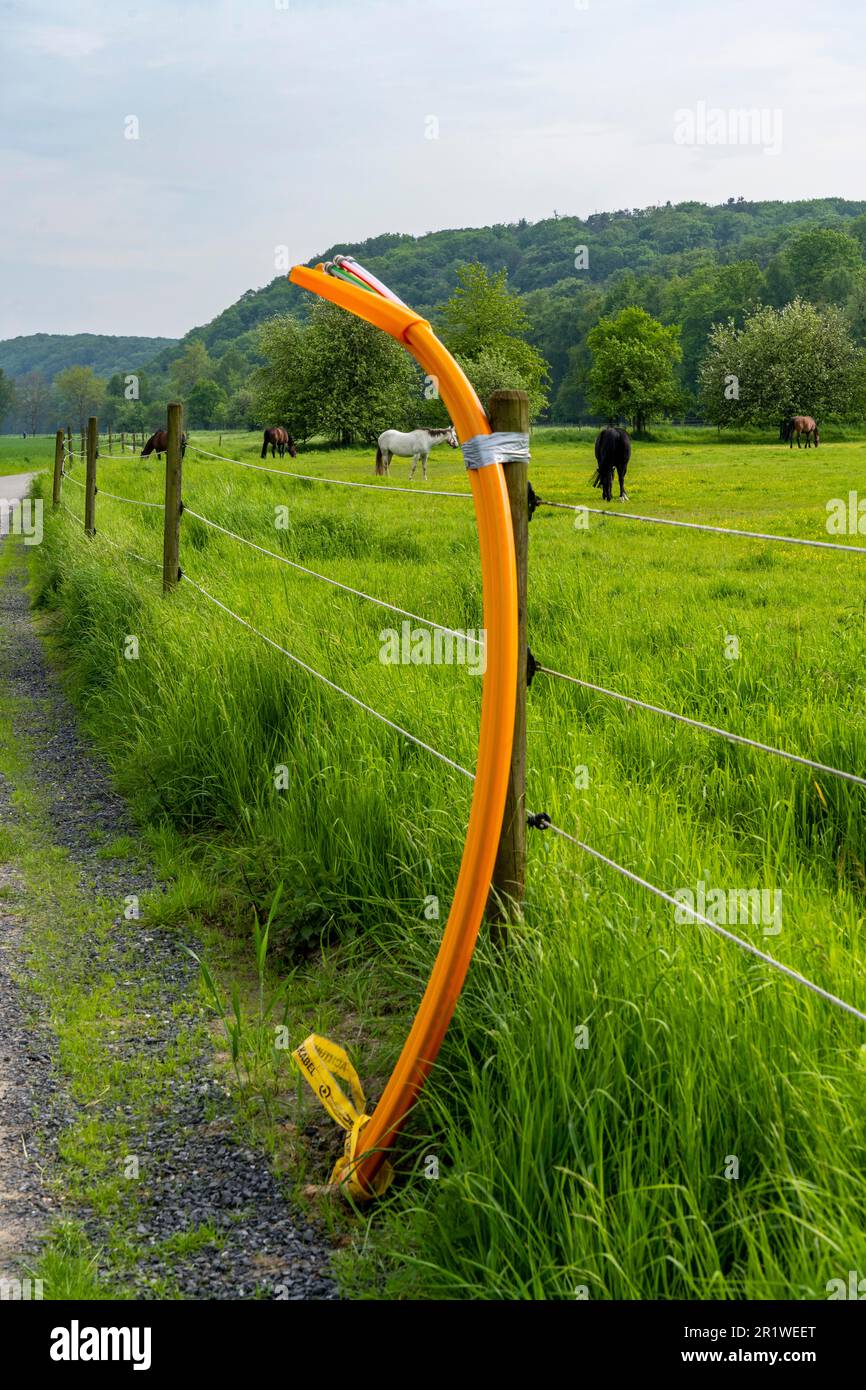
28, 455
705, 1136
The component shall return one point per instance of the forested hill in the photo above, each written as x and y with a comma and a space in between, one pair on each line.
50, 353
670, 241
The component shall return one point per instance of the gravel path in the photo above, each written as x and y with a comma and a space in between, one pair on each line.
195, 1172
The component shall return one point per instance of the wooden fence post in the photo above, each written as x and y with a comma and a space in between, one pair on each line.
173, 483
110, 440
90, 478
69, 444
509, 411
83, 443
58, 467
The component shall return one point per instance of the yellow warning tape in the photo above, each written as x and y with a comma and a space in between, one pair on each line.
319, 1061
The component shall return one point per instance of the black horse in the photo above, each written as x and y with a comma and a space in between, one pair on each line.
612, 451
278, 440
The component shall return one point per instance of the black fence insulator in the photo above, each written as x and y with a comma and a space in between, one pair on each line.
539, 820
533, 499
531, 667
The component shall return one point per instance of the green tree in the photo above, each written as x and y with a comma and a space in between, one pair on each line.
193, 365
822, 265
714, 294
232, 370
206, 405
7, 395
502, 366
34, 394
339, 377
283, 389
363, 382
481, 310
797, 360
633, 368
241, 410
80, 392
485, 326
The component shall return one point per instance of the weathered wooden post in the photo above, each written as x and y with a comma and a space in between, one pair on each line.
58, 468
110, 440
173, 483
83, 444
123, 441
69, 444
509, 411
90, 478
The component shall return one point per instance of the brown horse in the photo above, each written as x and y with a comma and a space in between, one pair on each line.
278, 439
158, 443
800, 424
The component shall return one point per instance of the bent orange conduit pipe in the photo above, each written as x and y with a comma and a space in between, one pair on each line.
362, 1171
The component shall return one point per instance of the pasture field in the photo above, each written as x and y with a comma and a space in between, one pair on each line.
625, 1106
28, 455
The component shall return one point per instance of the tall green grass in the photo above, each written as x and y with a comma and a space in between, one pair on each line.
563, 1170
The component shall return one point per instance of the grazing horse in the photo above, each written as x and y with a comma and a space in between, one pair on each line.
799, 424
158, 443
415, 445
278, 440
612, 451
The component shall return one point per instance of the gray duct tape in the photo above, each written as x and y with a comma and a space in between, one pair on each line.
504, 447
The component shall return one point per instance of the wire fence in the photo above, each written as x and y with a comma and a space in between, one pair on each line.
334, 482
700, 526
705, 728
540, 820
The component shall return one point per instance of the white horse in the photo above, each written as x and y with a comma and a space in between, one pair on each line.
415, 445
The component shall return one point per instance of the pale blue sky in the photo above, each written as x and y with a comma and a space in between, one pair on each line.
304, 124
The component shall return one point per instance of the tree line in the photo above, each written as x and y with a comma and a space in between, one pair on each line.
733, 315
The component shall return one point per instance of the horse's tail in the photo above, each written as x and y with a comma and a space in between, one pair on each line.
604, 457
264, 452
380, 463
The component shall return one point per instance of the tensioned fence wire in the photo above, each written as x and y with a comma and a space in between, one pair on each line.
311, 670
542, 502
701, 526
133, 501
335, 482
704, 728
741, 739
132, 554
544, 822
707, 922
327, 579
